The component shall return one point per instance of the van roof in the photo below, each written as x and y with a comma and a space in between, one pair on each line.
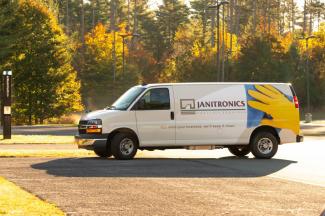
211, 83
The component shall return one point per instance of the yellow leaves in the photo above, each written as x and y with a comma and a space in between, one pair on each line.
196, 50
100, 42
21, 56
286, 41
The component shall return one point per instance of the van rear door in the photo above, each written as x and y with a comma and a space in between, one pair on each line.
155, 117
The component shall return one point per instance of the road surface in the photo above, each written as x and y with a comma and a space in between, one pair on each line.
180, 182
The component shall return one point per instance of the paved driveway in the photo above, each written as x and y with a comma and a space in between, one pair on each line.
178, 182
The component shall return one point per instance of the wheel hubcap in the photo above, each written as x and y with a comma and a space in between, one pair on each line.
126, 146
265, 145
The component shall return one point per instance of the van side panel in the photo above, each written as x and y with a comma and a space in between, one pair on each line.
227, 114
211, 114
273, 105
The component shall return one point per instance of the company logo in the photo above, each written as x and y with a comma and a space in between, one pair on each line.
191, 105
187, 104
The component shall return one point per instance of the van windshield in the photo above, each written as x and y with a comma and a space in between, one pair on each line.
127, 98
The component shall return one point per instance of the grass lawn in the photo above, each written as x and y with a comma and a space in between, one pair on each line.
16, 201
46, 153
37, 139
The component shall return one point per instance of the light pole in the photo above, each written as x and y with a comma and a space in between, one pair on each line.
123, 36
217, 6
308, 115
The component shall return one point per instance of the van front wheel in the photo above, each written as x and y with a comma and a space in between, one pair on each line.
239, 151
124, 146
101, 149
264, 145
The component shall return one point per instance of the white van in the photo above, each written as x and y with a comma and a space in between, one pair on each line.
244, 117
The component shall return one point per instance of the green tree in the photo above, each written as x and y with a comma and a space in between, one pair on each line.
45, 83
9, 31
261, 58
170, 15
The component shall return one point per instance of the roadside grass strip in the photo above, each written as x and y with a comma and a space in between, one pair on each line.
37, 139
45, 153
16, 201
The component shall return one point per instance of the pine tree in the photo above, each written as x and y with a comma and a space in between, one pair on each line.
171, 14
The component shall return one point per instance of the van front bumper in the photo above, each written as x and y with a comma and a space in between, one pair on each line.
87, 141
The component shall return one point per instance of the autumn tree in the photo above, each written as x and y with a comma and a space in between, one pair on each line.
45, 84
100, 89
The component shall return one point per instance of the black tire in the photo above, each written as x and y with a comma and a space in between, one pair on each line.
239, 151
101, 149
124, 146
264, 145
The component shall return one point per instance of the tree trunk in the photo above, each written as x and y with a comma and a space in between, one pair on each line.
268, 10
305, 18
231, 25
204, 24
237, 26
67, 17
310, 17
293, 23
129, 16
93, 21
254, 18
213, 24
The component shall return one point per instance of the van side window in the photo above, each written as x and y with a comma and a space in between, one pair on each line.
155, 99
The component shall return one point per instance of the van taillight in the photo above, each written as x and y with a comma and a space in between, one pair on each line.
295, 100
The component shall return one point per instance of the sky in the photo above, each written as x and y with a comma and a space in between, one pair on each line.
155, 3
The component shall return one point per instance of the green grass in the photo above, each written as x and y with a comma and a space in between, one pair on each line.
37, 139
16, 201
46, 153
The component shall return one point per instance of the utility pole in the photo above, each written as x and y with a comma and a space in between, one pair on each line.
308, 115
123, 36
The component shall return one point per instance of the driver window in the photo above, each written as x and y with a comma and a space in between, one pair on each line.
155, 99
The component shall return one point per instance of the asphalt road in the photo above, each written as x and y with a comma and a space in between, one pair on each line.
180, 182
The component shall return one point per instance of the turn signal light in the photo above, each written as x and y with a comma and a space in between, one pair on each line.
93, 130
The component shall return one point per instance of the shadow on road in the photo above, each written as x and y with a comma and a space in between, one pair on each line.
161, 167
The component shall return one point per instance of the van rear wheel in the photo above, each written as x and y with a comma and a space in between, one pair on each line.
264, 145
124, 146
239, 151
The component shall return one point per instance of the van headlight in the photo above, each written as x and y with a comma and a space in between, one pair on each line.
92, 126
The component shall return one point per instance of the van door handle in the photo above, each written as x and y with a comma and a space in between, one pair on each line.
172, 115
